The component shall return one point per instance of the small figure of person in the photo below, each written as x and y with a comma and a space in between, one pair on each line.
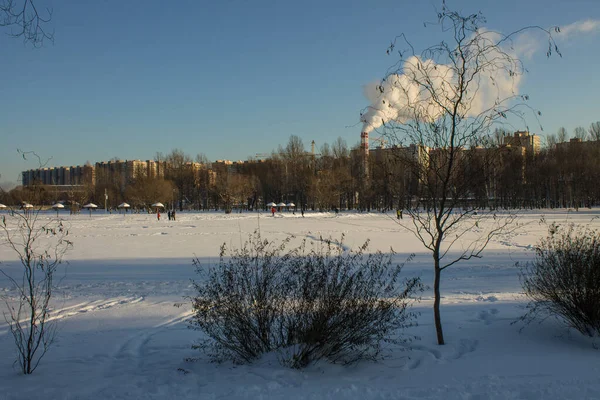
173, 215
169, 214
158, 214
302, 211
399, 213
273, 211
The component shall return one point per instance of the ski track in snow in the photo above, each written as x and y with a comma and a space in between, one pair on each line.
92, 306
83, 308
130, 356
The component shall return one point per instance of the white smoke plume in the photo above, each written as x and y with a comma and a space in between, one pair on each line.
528, 43
399, 97
587, 26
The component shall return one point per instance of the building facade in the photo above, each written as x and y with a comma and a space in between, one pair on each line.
530, 142
114, 171
60, 176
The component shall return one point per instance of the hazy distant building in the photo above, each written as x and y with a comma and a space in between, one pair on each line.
530, 142
115, 171
60, 176
124, 172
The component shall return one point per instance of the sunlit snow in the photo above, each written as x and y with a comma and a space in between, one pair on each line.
120, 336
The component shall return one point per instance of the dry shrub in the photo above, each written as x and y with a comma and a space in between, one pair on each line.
564, 279
305, 304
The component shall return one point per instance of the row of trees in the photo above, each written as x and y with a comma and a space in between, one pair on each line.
580, 133
560, 175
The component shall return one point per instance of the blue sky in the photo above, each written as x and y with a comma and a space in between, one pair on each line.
231, 79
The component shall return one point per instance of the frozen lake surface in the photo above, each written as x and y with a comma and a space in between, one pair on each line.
120, 337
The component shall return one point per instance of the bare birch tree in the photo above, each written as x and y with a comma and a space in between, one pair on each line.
447, 100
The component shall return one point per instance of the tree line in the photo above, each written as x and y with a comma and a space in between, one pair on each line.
562, 174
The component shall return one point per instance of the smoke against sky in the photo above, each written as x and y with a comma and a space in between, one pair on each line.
586, 26
423, 88
407, 94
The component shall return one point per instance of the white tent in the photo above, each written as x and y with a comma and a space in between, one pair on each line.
282, 204
271, 204
290, 205
27, 205
2, 205
158, 205
123, 205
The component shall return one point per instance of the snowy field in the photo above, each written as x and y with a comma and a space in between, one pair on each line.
120, 336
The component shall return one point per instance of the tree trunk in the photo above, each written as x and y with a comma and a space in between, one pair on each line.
436, 304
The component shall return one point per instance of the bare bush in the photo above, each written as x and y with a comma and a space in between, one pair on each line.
307, 305
237, 301
564, 279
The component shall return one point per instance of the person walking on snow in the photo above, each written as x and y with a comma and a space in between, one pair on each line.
273, 211
158, 214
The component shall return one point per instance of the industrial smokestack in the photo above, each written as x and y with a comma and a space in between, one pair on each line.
364, 147
364, 143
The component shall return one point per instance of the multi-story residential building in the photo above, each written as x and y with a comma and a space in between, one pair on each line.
124, 172
530, 142
60, 176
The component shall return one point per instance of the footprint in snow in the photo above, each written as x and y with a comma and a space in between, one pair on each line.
487, 316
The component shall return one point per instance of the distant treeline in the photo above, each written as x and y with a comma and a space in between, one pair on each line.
562, 175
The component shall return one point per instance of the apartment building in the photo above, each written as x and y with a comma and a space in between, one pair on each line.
60, 176
530, 142
123, 172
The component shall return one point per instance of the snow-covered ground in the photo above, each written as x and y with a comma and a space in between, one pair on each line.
121, 337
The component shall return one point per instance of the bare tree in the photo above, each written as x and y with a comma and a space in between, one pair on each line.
562, 135
40, 244
202, 159
232, 189
145, 190
498, 136
77, 195
580, 133
446, 100
25, 21
551, 140
182, 171
595, 130
296, 170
